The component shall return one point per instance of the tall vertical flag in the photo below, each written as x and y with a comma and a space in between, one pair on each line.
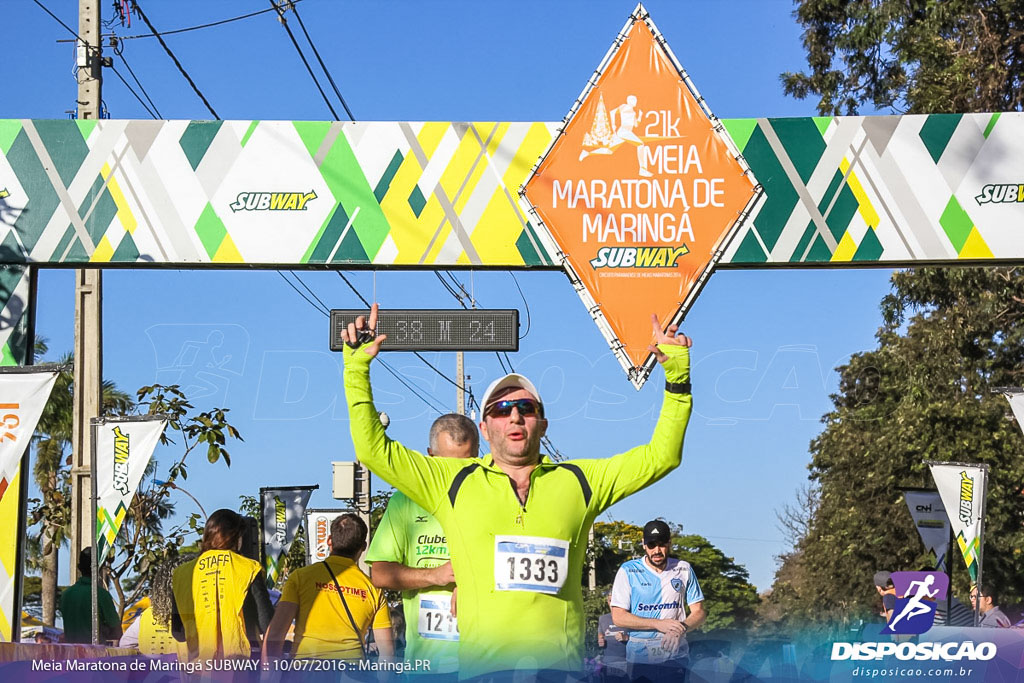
23, 395
318, 529
962, 489
121, 452
283, 511
929, 515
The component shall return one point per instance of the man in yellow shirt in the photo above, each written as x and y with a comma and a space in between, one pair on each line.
333, 603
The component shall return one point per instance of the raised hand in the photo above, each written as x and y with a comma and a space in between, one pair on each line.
671, 336
364, 333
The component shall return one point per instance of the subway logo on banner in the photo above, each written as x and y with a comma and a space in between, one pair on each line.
4, 193
639, 257
280, 519
120, 461
1006, 193
272, 201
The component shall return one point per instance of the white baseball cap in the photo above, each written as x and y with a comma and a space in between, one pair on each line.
512, 380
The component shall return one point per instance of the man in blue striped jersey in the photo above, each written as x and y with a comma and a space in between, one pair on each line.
650, 597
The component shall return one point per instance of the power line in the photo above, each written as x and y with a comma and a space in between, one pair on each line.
354, 290
526, 305
410, 387
308, 300
323, 66
156, 34
119, 51
68, 28
209, 25
284, 22
415, 353
325, 311
312, 293
132, 91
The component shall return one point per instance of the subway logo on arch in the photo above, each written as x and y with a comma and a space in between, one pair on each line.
639, 257
272, 201
1005, 193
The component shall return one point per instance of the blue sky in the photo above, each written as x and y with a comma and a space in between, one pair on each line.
765, 342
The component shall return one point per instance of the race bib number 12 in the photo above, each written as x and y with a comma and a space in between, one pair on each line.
530, 563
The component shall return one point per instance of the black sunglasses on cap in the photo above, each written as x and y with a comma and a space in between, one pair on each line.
526, 406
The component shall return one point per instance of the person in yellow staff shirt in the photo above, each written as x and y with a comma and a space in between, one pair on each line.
221, 603
333, 603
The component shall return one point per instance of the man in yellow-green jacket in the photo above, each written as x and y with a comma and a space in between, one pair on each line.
517, 523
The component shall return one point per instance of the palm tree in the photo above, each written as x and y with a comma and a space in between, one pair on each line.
52, 470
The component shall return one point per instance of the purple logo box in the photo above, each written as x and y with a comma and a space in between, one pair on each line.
916, 596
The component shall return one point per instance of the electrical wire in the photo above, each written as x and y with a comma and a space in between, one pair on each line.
311, 292
284, 22
529, 321
321, 309
209, 25
451, 290
68, 28
411, 388
354, 290
119, 51
132, 91
156, 34
415, 353
323, 66
325, 311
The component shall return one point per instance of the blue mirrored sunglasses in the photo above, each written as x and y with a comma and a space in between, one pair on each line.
526, 406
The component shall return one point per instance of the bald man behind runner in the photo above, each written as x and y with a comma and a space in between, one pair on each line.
516, 522
409, 552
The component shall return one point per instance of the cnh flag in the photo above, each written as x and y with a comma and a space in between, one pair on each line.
929, 515
962, 488
283, 510
122, 448
1016, 400
23, 395
318, 529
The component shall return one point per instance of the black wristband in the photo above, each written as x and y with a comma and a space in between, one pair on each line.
677, 387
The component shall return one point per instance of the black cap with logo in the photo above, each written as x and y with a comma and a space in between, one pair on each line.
656, 532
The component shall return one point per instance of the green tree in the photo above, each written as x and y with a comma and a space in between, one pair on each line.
51, 470
911, 56
949, 337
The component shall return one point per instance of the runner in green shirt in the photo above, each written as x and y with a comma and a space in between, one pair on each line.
517, 523
409, 552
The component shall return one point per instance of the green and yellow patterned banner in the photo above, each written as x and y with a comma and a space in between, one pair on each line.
839, 191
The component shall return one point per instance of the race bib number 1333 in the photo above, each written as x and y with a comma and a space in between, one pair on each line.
530, 563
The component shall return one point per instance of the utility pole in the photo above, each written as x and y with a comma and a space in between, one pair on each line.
460, 375
88, 309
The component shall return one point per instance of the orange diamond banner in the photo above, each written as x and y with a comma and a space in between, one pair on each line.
641, 192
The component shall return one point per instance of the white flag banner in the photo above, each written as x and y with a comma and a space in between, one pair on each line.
123, 448
318, 529
1016, 400
23, 395
962, 488
929, 515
